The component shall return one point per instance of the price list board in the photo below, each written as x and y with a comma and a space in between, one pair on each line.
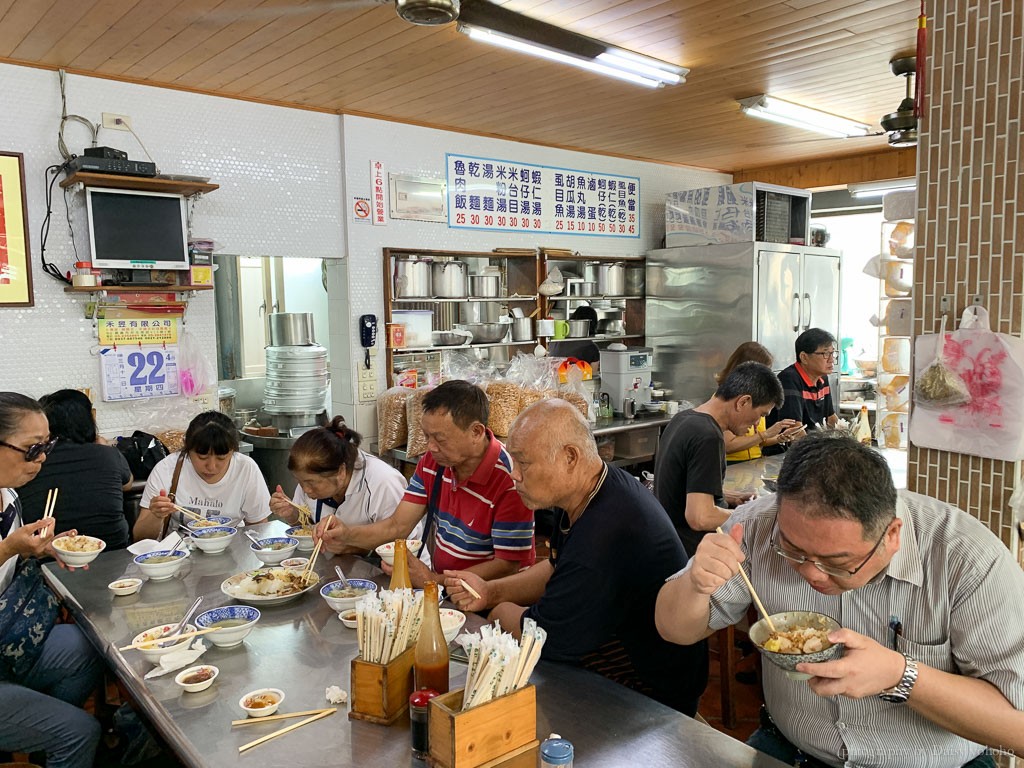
139, 373
503, 195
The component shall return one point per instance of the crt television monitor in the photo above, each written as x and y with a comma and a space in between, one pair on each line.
137, 230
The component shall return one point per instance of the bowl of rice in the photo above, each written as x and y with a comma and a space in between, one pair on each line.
799, 637
77, 551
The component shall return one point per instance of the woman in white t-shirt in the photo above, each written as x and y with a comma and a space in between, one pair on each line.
215, 480
336, 478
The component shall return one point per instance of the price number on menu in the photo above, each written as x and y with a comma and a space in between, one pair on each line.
139, 373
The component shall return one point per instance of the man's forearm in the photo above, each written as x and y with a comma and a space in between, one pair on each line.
969, 707
681, 613
704, 515
365, 538
523, 588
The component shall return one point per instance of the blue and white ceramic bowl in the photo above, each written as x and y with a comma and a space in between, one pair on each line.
304, 535
788, 621
213, 540
208, 522
233, 634
274, 549
339, 604
161, 564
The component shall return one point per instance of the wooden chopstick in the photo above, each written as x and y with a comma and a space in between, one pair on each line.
316, 551
188, 512
465, 586
182, 636
270, 718
51, 504
753, 594
285, 730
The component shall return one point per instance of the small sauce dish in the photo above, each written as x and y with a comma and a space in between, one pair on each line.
348, 618
261, 702
196, 679
123, 587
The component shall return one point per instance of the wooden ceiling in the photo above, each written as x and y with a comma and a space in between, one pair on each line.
354, 57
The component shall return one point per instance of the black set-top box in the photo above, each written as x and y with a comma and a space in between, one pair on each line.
120, 166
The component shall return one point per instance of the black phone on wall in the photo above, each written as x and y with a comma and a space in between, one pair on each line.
367, 335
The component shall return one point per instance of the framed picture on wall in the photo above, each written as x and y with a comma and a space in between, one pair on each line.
15, 266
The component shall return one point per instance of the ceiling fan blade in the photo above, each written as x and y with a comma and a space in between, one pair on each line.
316, 7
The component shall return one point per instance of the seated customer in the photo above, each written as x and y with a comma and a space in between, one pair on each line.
929, 599
747, 446
805, 384
611, 549
91, 474
337, 478
462, 489
40, 704
209, 476
689, 466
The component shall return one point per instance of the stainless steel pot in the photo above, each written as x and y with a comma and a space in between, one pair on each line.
582, 288
485, 286
291, 329
579, 328
449, 279
412, 279
636, 280
611, 279
522, 329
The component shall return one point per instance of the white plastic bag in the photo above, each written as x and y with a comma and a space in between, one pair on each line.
992, 366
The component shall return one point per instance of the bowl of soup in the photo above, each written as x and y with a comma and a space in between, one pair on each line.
387, 550
161, 564
234, 622
341, 598
156, 649
196, 679
77, 551
208, 522
261, 702
272, 550
213, 540
799, 637
304, 533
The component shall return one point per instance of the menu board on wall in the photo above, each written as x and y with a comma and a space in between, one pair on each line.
503, 195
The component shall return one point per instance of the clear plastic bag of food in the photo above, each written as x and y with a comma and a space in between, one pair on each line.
392, 419
939, 385
504, 398
416, 444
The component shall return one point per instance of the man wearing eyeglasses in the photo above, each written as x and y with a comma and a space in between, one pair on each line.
930, 601
805, 385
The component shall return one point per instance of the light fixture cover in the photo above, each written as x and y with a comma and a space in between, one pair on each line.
878, 188
789, 113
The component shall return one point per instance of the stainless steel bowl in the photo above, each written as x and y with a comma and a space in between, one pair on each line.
450, 338
487, 333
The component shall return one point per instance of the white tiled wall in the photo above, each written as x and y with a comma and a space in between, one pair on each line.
286, 179
279, 172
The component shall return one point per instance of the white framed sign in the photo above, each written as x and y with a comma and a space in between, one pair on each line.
139, 373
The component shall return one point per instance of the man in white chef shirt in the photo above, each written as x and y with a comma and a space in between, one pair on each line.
215, 480
336, 478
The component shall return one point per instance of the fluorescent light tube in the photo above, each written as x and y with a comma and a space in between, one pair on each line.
669, 74
879, 188
517, 44
798, 116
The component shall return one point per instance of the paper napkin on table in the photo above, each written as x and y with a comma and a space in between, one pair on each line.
336, 695
177, 659
173, 541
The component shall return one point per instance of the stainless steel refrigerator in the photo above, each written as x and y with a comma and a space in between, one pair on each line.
705, 300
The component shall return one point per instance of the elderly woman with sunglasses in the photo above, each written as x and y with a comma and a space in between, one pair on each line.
40, 698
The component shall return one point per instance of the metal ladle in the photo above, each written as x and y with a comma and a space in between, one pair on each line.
254, 540
341, 575
184, 620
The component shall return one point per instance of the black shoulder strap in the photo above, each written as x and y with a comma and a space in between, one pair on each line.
172, 491
435, 494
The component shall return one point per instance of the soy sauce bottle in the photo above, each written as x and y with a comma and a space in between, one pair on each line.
430, 663
400, 569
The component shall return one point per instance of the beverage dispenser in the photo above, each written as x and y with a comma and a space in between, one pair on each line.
626, 372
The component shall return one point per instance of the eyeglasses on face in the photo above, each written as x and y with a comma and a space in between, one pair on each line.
829, 570
35, 450
833, 354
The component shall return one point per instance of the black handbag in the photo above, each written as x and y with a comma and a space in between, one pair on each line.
143, 452
28, 611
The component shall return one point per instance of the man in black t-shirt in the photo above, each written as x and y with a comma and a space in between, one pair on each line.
689, 466
611, 551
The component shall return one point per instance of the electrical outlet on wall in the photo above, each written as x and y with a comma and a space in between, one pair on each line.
116, 122
367, 391
367, 374
204, 400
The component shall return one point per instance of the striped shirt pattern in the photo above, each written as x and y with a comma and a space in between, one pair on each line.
480, 519
960, 598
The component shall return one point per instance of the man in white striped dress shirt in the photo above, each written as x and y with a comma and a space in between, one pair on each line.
930, 601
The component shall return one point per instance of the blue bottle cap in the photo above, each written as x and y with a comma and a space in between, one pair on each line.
556, 751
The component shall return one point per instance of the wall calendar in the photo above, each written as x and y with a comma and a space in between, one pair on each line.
138, 373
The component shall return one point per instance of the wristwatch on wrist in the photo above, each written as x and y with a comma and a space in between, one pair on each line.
900, 692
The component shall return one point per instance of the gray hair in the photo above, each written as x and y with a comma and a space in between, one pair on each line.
559, 424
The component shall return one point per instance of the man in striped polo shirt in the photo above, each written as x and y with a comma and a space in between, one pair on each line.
805, 384
930, 601
463, 486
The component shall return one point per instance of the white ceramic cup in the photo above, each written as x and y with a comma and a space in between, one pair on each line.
546, 327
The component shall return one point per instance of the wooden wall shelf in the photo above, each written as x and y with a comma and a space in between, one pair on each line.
143, 183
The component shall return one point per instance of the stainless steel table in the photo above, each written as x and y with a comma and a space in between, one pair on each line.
301, 648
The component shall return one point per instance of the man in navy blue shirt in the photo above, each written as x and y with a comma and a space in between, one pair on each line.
612, 548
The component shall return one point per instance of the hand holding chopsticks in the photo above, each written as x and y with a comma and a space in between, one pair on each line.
51, 504
753, 593
308, 570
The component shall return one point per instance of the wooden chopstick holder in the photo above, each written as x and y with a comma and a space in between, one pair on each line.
270, 718
285, 730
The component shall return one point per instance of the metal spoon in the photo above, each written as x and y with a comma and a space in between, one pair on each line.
177, 630
254, 540
341, 575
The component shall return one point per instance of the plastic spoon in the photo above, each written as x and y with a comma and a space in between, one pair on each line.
341, 575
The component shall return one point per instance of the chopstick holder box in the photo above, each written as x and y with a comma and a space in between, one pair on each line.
502, 732
380, 692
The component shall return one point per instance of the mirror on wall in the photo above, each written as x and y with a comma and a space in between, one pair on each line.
249, 288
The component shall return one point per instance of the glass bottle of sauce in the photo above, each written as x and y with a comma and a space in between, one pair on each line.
400, 569
430, 662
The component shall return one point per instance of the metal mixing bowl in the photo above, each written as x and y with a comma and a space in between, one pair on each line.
487, 333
